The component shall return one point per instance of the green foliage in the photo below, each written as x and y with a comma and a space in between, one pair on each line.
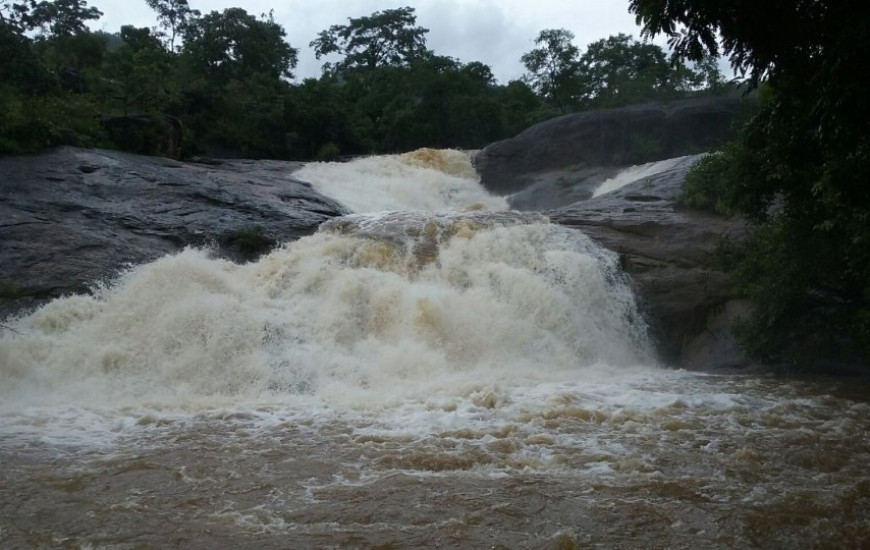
709, 184
612, 72
317, 112
240, 117
802, 315
554, 68
620, 70
798, 171
139, 73
175, 16
10, 290
56, 18
252, 241
234, 44
433, 102
384, 38
328, 152
230, 77
29, 124
218, 84
758, 37
19, 64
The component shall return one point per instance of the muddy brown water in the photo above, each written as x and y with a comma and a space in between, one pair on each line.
406, 380
784, 464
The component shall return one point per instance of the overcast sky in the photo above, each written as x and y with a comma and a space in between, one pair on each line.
496, 32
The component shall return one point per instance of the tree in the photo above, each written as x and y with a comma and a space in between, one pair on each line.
388, 37
234, 66
19, 66
141, 71
235, 44
174, 16
707, 74
480, 72
64, 44
520, 107
58, 18
14, 15
799, 170
620, 71
757, 36
554, 68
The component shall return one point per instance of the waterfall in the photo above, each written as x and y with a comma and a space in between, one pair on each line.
430, 371
373, 309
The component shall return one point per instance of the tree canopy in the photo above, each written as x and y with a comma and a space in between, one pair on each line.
388, 37
221, 83
57, 18
554, 68
174, 17
233, 43
620, 70
612, 72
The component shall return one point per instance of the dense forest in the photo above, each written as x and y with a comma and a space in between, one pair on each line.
221, 84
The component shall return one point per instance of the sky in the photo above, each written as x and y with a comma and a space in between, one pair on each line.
494, 32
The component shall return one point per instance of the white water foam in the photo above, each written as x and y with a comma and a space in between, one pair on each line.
421, 321
634, 173
277, 398
325, 317
425, 179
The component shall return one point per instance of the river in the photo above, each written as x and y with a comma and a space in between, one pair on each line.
433, 372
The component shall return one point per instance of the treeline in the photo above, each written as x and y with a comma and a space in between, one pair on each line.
221, 84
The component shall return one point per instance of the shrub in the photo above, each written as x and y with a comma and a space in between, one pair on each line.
328, 152
710, 184
252, 241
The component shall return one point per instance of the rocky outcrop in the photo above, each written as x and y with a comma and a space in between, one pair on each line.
70, 216
558, 166
587, 141
667, 251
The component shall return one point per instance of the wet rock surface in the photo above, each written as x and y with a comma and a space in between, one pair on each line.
70, 216
556, 166
592, 140
667, 250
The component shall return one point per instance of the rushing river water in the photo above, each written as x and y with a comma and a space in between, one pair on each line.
406, 379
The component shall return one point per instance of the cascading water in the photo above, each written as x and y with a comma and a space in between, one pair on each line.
426, 180
634, 173
439, 373
366, 312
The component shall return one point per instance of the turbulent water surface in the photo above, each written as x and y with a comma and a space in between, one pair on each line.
463, 378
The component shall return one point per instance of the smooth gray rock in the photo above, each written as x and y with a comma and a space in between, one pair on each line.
560, 187
666, 250
607, 138
72, 216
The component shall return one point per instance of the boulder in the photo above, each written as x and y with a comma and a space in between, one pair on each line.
587, 141
666, 250
70, 217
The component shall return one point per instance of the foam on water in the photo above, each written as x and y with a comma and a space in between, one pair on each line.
330, 318
425, 179
462, 378
377, 312
398, 322
635, 173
